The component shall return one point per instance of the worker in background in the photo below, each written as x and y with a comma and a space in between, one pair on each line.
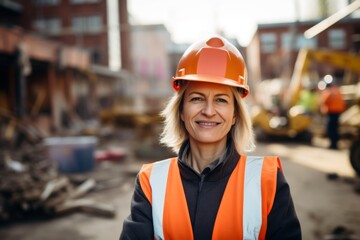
211, 189
309, 99
332, 104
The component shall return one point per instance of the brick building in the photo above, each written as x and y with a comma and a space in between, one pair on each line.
80, 23
274, 47
46, 69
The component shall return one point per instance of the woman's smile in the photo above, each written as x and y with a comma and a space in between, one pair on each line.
207, 124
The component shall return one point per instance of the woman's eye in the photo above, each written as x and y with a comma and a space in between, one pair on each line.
221, 100
195, 99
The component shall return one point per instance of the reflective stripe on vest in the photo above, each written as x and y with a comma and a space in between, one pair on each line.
246, 204
158, 181
252, 198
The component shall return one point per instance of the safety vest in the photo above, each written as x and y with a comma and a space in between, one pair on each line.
332, 100
243, 211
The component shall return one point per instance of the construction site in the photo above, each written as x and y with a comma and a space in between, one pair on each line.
76, 127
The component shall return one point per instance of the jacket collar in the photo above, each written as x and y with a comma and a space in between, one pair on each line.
216, 170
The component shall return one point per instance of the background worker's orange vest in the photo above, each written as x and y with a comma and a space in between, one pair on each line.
332, 101
244, 208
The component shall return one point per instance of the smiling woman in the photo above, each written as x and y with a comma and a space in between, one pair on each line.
208, 115
211, 190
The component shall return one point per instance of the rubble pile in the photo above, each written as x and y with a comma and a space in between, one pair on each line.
31, 184
23, 179
31, 187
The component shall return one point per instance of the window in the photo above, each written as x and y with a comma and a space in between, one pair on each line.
48, 25
47, 2
89, 24
303, 42
336, 39
299, 42
268, 42
84, 1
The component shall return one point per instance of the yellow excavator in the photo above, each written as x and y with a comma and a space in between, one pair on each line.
287, 119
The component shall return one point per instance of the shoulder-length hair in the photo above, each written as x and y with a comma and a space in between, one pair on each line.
174, 132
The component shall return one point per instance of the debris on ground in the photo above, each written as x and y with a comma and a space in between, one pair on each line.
341, 233
31, 186
355, 180
332, 176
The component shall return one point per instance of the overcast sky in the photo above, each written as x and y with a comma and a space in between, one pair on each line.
191, 20
188, 20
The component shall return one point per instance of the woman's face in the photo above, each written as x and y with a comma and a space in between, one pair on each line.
208, 111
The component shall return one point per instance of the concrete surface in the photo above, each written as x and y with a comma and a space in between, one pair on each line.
321, 204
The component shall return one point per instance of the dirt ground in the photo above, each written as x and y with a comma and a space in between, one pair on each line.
322, 204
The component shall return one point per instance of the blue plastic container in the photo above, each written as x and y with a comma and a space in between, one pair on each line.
72, 154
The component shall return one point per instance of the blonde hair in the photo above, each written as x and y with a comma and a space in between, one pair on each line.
174, 132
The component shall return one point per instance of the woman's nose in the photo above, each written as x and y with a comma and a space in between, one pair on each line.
208, 109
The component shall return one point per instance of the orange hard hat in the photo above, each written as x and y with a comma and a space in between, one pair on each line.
215, 60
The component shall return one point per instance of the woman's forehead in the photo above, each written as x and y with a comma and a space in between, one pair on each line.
206, 86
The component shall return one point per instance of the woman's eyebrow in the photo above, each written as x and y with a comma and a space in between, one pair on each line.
222, 94
198, 93
203, 94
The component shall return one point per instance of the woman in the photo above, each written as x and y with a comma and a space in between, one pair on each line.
211, 190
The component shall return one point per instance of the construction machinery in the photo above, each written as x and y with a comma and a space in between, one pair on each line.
287, 119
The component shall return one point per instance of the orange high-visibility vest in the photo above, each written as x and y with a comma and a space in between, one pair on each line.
244, 208
332, 100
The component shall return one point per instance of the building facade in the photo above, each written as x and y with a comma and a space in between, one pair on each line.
273, 50
47, 76
81, 23
150, 65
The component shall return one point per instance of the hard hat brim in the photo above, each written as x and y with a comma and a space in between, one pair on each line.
212, 79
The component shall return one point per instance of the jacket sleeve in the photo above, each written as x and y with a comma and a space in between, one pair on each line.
283, 222
138, 225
